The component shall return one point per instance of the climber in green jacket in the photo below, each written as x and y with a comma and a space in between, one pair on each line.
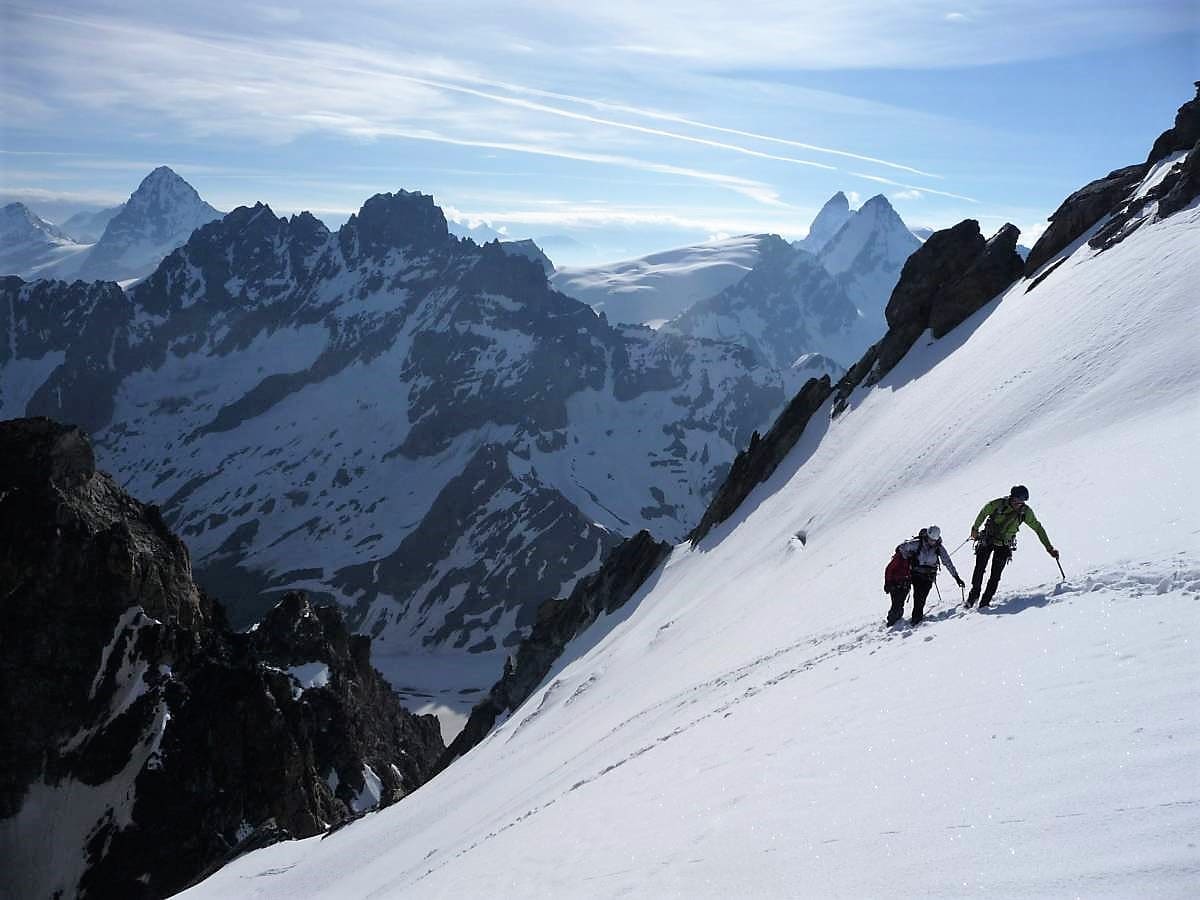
999, 538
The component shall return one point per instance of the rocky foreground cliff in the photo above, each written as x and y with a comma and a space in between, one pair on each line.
145, 743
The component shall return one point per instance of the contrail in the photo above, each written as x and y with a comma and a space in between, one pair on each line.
683, 120
911, 187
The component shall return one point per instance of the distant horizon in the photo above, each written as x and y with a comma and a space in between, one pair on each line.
625, 130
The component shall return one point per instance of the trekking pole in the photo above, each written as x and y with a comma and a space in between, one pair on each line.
1060, 571
938, 589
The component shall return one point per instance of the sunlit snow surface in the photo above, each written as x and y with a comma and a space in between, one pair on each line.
747, 727
654, 288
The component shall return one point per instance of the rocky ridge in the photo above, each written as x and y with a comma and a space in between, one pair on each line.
153, 742
1114, 197
460, 441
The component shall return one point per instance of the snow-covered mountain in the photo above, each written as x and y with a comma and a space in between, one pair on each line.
134, 237
866, 255
479, 232
87, 227
158, 217
412, 424
785, 307
832, 216
745, 726
29, 244
654, 288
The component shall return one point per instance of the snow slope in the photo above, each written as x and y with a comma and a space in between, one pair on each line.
29, 244
746, 727
657, 287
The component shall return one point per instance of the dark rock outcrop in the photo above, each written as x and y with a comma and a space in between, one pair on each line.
953, 274
1081, 211
1112, 195
144, 742
1183, 187
755, 464
1178, 188
623, 572
1183, 135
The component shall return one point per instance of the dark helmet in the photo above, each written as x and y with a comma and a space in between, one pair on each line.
1019, 492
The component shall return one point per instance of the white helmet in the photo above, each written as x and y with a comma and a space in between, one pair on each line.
935, 533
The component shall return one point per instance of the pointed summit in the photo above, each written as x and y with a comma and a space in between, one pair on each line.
158, 217
833, 215
867, 254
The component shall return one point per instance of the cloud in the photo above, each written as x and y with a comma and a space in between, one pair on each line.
956, 17
277, 15
908, 195
36, 195
571, 215
277, 91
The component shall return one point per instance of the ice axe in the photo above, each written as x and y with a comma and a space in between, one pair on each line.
1060, 569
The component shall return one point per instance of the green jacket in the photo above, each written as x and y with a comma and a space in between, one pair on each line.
1002, 529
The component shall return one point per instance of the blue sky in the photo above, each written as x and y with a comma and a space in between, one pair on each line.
628, 127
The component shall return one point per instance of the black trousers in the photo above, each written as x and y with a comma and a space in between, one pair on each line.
921, 587
999, 557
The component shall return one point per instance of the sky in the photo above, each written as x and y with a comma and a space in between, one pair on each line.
604, 130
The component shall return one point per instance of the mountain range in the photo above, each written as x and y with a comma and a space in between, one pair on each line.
409, 423
731, 717
502, 436
862, 249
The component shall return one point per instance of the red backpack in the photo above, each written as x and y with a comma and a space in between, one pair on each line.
898, 573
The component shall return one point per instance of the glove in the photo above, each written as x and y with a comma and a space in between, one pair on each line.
974, 535
1053, 552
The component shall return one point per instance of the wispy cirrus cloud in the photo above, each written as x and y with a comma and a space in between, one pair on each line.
289, 88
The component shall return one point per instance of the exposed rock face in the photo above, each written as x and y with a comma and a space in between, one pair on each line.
1184, 185
757, 462
1081, 211
1114, 195
154, 742
558, 621
953, 274
1183, 135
